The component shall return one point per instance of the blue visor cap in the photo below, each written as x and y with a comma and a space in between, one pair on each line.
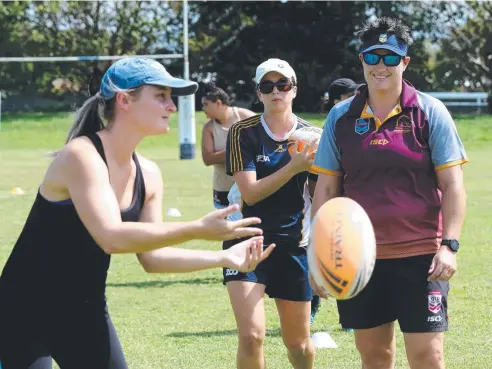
134, 72
387, 42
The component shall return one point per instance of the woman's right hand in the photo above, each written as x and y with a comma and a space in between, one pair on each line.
301, 161
317, 290
215, 226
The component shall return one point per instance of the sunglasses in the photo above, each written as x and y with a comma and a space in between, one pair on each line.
283, 85
390, 60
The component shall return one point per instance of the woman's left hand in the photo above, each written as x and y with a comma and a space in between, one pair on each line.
246, 255
443, 265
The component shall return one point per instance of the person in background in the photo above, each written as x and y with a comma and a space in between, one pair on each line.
339, 90
275, 186
217, 106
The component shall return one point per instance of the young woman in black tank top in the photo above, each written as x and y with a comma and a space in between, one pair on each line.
98, 198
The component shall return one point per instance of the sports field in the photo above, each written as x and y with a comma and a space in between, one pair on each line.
184, 321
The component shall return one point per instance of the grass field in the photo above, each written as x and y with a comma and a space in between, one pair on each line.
184, 321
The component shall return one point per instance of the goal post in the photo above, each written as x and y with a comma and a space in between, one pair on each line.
186, 104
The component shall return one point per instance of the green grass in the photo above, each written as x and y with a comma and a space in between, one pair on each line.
184, 320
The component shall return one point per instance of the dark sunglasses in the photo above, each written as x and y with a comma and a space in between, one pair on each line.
390, 60
284, 85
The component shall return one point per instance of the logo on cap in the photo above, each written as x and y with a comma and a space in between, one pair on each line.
280, 65
383, 38
155, 64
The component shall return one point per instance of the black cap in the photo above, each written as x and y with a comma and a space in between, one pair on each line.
341, 87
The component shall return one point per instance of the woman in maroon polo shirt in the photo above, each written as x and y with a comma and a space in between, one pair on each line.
396, 151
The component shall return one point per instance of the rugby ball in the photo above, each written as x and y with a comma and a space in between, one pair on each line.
305, 136
342, 248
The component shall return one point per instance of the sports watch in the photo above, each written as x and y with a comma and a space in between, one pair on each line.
453, 245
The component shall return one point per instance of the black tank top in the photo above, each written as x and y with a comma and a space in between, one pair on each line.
55, 257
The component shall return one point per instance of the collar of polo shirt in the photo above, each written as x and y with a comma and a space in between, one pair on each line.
367, 113
361, 108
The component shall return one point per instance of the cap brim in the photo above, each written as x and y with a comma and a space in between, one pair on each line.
180, 87
258, 80
385, 47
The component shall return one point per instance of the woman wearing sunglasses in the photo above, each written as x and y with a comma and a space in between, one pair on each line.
274, 186
396, 151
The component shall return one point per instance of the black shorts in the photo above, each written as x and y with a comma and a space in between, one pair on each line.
399, 290
284, 273
76, 336
220, 199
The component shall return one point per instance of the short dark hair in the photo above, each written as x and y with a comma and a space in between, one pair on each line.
215, 93
373, 28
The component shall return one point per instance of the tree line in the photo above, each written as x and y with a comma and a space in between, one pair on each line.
227, 40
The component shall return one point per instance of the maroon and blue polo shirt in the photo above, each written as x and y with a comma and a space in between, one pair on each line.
390, 167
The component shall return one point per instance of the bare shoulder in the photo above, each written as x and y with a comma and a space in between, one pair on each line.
151, 173
207, 127
78, 161
149, 167
245, 113
79, 152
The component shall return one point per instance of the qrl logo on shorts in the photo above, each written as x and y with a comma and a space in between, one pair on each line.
435, 301
230, 272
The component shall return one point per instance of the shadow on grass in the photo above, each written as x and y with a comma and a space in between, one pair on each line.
160, 284
230, 332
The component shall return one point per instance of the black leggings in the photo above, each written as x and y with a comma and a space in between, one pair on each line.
78, 338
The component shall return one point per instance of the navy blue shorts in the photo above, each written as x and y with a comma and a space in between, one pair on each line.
284, 273
399, 290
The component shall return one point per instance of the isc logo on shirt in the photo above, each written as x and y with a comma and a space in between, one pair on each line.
379, 142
